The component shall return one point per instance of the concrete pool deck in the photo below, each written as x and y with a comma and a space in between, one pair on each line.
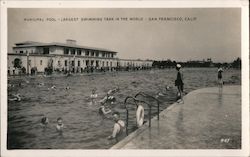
209, 119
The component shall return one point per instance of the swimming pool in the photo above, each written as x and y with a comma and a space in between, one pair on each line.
85, 128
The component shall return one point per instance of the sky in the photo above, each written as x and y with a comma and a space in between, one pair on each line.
209, 33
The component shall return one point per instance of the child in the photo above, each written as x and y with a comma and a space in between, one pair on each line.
93, 95
60, 125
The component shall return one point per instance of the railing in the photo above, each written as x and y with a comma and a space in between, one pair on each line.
136, 101
153, 98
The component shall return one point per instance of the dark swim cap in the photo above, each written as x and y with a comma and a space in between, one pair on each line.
44, 120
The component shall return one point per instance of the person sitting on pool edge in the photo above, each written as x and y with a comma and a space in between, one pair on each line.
119, 127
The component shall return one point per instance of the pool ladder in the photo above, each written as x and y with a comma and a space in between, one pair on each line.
136, 101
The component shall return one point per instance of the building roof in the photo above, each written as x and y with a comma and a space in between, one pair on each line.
40, 44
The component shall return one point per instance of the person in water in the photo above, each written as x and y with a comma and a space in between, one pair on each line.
67, 87
93, 94
109, 98
15, 97
179, 83
103, 110
53, 87
44, 121
118, 129
220, 81
60, 125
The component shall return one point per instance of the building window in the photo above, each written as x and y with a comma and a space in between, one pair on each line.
73, 51
46, 50
87, 53
92, 63
112, 55
21, 51
97, 54
66, 51
65, 63
41, 62
83, 52
87, 62
111, 64
97, 63
107, 64
73, 63
103, 54
79, 63
92, 53
79, 52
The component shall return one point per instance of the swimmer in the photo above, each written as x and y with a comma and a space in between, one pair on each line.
161, 94
60, 125
53, 87
20, 84
44, 121
15, 97
67, 87
93, 95
103, 111
109, 98
40, 84
118, 129
167, 88
11, 85
112, 91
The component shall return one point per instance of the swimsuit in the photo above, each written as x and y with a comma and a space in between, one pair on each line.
219, 74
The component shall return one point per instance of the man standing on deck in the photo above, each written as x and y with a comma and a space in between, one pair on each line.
179, 83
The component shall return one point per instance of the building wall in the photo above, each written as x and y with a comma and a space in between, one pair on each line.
24, 50
56, 50
135, 63
39, 62
58, 62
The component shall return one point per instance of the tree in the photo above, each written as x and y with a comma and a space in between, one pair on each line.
236, 63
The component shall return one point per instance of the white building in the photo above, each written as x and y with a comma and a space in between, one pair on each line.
35, 57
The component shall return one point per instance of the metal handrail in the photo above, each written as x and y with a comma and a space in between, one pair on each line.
149, 96
135, 102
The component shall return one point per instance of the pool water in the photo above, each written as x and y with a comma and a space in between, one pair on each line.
84, 127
